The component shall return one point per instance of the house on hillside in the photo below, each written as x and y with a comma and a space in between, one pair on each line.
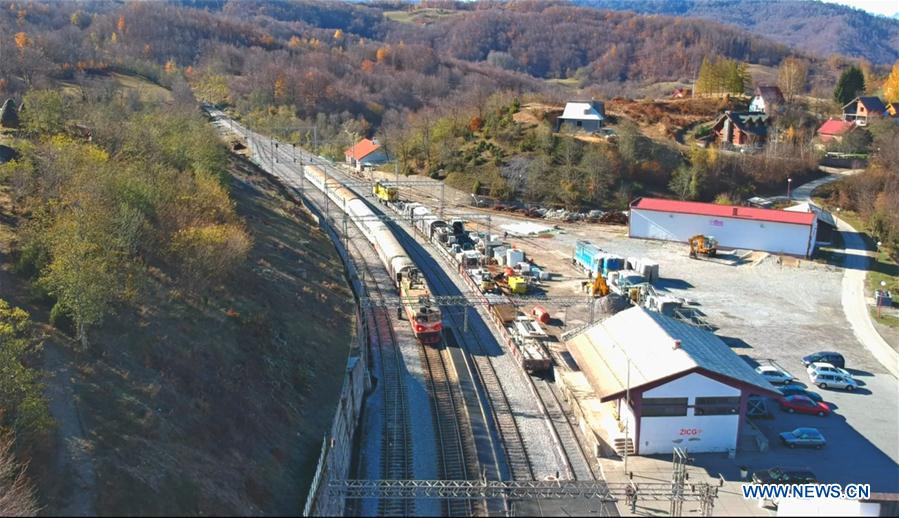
365, 153
741, 129
861, 109
767, 100
834, 130
893, 110
582, 116
682, 93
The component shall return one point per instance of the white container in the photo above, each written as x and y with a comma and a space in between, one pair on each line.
524, 267
545, 276
514, 256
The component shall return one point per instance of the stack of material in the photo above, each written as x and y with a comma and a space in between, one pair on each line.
613, 303
614, 218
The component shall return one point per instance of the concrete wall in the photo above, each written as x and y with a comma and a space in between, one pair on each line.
778, 238
713, 433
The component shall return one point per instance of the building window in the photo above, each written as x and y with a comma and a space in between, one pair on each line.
717, 406
664, 406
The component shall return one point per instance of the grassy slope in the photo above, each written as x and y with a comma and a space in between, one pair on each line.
220, 408
215, 408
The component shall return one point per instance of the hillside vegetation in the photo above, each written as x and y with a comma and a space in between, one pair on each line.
812, 26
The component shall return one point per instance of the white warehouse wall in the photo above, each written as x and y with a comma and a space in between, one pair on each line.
715, 433
781, 238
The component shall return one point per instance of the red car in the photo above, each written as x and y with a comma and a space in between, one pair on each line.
803, 405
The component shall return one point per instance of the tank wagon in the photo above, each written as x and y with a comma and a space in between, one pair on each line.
418, 306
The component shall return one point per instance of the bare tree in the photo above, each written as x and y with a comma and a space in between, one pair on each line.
17, 495
791, 77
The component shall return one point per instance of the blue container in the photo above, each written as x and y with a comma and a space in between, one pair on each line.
611, 263
588, 256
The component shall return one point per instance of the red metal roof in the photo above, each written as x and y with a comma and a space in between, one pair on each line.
362, 149
724, 211
835, 127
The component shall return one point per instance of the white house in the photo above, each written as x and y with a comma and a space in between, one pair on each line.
582, 116
687, 388
365, 153
748, 228
766, 100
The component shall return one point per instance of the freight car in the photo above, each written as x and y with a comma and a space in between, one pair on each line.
418, 305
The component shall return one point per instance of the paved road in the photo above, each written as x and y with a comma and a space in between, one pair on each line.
856, 263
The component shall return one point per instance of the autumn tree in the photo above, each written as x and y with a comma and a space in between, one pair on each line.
22, 40
849, 86
17, 494
891, 85
791, 77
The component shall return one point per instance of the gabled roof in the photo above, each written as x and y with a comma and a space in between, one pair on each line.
871, 103
835, 127
771, 94
723, 211
755, 123
582, 110
823, 216
362, 149
649, 340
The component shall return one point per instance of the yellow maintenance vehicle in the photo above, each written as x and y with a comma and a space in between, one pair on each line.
518, 285
597, 288
385, 193
705, 245
487, 284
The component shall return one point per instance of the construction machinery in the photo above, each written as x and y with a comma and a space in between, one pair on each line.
598, 287
705, 245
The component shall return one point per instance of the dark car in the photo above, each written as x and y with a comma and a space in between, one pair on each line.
799, 390
784, 476
807, 437
835, 359
803, 405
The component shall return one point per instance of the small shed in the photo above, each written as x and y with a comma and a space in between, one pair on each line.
583, 116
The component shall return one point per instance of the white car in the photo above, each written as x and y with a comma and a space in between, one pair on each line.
773, 374
832, 380
826, 368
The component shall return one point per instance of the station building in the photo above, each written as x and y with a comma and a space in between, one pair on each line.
687, 388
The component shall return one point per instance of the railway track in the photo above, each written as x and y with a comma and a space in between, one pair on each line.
576, 458
456, 449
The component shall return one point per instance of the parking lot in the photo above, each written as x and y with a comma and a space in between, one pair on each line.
765, 311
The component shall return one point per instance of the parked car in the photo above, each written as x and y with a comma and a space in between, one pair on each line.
826, 368
803, 405
808, 437
773, 374
835, 359
828, 380
784, 476
799, 390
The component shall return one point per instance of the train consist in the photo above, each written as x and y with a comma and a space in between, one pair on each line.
418, 305
461, 247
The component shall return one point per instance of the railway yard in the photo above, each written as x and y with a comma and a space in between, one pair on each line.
485, 402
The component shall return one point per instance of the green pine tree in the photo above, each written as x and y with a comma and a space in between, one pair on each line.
851, 83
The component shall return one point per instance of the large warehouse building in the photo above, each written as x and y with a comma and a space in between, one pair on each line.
687, 388
749, 228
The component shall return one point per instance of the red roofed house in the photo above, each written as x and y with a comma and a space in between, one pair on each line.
747, 228
834, 129
365, 153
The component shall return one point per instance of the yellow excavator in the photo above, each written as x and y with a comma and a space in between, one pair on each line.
705, 245
597, 288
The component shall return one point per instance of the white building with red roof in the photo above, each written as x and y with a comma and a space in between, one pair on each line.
365, 153
747, 228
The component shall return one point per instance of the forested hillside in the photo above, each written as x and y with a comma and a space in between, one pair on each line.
815, 27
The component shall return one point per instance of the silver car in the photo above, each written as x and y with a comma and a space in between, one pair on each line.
829, 380
773, 374
805, 437
826, 368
